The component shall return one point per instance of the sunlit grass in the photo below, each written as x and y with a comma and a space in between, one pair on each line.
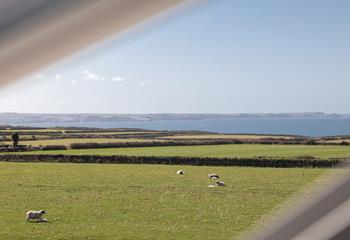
221, 151
226, 136
92, 201
67, 141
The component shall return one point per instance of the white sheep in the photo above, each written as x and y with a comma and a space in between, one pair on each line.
35, 215
220, 184
180, 172
213, 176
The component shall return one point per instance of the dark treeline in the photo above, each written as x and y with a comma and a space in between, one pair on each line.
93, 145
54, 147
193, 143
243, 162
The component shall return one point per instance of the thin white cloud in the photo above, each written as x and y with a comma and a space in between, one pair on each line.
73, 82
146, 83
118, 79
58, 76
91, 76
59, 102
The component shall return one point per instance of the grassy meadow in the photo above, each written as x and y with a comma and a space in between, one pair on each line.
92, 201
68, 141
220, 151
226, 136
110, 133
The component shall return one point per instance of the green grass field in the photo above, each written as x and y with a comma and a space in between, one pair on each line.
338, 140
111, 133
231, 150
225, 136
67, 141
25, 137
92, 201
51, 130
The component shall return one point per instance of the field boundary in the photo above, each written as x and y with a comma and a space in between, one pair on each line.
196, 161
196, 142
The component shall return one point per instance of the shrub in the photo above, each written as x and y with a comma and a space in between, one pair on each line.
54, 147
305, 157
251, 162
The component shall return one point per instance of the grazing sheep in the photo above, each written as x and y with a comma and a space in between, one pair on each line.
180, 172
35, 215
213, 176
220, 184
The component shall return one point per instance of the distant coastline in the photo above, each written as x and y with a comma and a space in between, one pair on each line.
306, 124
14, 118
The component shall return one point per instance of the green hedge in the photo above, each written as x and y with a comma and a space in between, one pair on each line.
91, 145
54, 147
246, 162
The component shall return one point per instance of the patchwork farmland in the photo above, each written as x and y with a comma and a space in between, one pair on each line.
142, 201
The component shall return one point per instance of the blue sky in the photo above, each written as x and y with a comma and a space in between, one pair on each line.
221, 57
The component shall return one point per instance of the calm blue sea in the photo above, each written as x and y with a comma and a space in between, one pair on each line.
323, 126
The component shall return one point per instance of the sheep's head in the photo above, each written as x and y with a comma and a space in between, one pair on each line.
43, 211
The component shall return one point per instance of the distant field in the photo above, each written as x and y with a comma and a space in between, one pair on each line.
225, 136
23, 137
68, 141
229, 150
338, 140
109, 133
92, 201
31, 130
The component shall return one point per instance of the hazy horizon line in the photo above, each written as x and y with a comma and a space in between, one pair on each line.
158, 113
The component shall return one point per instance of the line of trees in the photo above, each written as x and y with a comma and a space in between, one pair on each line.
243, 162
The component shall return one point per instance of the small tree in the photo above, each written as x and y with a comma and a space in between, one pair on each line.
15, 139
